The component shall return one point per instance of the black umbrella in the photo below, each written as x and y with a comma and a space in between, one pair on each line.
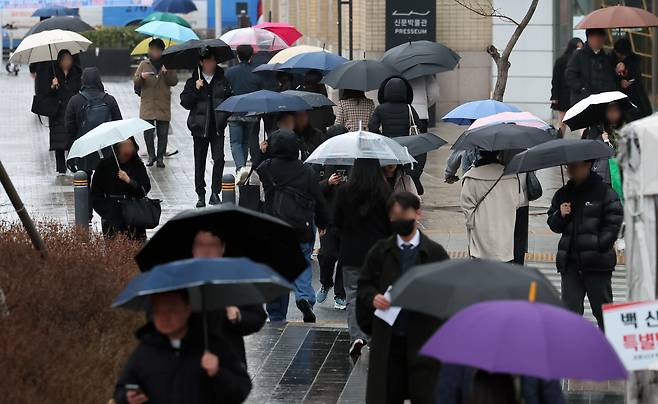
362, 75
187, 54
420, 144
250, 234
316, 100
74, 24
443, 288
556, 153
423, 69
502, 136
432, 56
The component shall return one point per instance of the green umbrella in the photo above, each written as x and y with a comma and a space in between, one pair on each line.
168, 17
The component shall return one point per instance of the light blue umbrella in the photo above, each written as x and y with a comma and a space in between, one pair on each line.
469, 112
323, 61
167, 30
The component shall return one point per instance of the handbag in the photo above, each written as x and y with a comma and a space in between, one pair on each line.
413, 128
249, 195
45, 105
533, 186
142, 213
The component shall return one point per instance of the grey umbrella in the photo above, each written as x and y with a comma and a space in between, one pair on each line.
502, 136
362, 75
315, 100
74, 24
420, 144
423, 69
434, 56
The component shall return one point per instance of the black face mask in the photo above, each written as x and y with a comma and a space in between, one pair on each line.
403, 227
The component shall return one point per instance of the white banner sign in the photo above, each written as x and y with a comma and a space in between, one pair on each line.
632, 329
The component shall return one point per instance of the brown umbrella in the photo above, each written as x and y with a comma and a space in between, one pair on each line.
618, 17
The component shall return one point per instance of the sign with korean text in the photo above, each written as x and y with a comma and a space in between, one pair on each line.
410, 20
632, 329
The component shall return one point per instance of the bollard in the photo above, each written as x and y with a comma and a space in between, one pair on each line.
81, 198
228, 188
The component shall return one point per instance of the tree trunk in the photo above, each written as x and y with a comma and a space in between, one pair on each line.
501, 80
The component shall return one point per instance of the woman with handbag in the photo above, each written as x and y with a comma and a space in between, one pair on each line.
114, 189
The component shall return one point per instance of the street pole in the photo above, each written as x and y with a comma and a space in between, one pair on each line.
218, 18
351, 33
350, 9
340, 27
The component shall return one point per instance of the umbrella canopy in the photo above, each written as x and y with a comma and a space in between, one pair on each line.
362, 75
293, 51
591, 110
519, 118
618, 17
46, 12
187, 55
44, 46
259, 39
274, 244
556, 153
501, 136
142, 48
423, 69
344, 149
420, 144
73, 24
315, 100
107, 134
443, 288
433, 57
174, 6
323, 61
167, 30
168, 17
267, 67
469, 112
524, 338
287, 32
263, 102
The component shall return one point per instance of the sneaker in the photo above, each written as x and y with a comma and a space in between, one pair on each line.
201, 203
307, 310
356, 347
339, 304
321, 296
242, 175
160, 164
214, 199
150, 163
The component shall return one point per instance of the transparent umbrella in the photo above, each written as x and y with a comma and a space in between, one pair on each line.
259, 39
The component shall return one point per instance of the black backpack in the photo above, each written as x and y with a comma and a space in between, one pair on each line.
295, 207
95, 112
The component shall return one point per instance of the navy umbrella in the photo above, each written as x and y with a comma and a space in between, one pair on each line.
316, 100
46, 12
263, 102
187, 54
362, 75
174, 6
421, 143
73, 24
502, 136
323, 61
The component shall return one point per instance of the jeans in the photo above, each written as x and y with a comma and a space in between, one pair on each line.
597, 285
242, 135
350, 280
278, 309
328, 260
60, 161
201, 144
162, 130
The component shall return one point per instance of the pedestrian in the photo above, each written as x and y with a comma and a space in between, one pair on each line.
608, 133
292, 193
60, 82
310, 137
112, 185
323, 117
627, 67
489, 201
285, 81
244, 129
560, 92
590, 70
397, 371
398, 180
493, 388
153, 82
426, 94
282, 120
203, 92
354, 110
588, 214
171, 365
459, 158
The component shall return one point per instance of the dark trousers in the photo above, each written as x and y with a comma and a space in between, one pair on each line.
60, 161
597, 285
201, 144
397, 381
328, 260
162, 130
521, 234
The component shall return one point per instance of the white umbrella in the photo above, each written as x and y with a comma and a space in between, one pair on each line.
44, 46
107, 134
293, 51
591, 110
344, 149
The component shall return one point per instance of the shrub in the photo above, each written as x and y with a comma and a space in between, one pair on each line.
114, 37
61, 342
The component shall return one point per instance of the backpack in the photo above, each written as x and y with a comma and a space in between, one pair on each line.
295, 207
95, 112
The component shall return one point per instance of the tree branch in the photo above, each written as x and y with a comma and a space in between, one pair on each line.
519, 30
487, 12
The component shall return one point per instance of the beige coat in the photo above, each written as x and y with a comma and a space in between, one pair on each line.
156, 92
490, 228
403, 182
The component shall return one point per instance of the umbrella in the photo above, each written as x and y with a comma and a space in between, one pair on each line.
362, 75
422, 69
168, 17
420, 144
167, 30
315, 100
186, 55
501, 136
469, 112
344, 149
263, 102
556, 153
433, 57
73, 24
267, 67
274, 244
142, 48
44, 46
591, 110
441, 289
525, 338
518, 118
287, 32
293, 51
174, 6
259, 39
618, 17
323, 61
46, 12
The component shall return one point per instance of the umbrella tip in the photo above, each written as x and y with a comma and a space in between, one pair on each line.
533, 292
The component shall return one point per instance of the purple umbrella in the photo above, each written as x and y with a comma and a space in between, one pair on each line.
525, 338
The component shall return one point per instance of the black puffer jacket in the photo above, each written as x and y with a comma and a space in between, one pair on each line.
202, 103
590, 73
391, 117
590, 231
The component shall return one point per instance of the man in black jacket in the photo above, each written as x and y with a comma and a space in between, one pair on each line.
309, 137
589, 215
203, 92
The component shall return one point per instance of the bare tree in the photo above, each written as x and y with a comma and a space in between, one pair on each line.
486, 9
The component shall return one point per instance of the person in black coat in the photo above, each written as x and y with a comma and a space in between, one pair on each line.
111, 185
588, 214
203, 92
323, 117
628, 68
560, 93
310, 137
171, 365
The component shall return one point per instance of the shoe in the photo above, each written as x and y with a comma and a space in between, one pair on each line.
242, 175
307, 310
339, 304
214, 199
160, 164
150, 163
321, 296
201, 203
356, 347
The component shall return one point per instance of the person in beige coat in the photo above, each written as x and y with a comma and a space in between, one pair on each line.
489, 201
153, 83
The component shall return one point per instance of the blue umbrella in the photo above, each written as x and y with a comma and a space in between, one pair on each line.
323, 61
174, 6
46, 12
267, 67
167, 30
469, 112
263, 102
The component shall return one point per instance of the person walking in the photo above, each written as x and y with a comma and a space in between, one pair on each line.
489, 201
398, 180
606, 132
588, 214
396, 371
354, 110
153, 82
310, 137
560, 92
627, 66
426, 95
361, 219
203, 92
323, 117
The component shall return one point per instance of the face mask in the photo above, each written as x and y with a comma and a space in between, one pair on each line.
403, 227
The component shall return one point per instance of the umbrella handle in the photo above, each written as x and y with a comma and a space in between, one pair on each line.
562, 173
52, 62
115, 157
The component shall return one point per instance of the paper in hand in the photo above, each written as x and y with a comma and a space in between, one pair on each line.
392, 313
